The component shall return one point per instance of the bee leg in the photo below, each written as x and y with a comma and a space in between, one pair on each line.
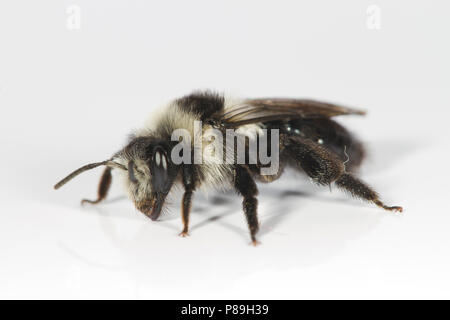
320, 164
103, 187
189, 181
324, 167
359, 189
246, 186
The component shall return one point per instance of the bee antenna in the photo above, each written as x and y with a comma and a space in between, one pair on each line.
131, 172
90, 166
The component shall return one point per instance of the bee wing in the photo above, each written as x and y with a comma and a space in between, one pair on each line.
264, 110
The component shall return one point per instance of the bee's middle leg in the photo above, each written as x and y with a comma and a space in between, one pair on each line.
189, 183
246, 186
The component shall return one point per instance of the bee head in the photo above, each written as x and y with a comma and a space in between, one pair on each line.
150, 173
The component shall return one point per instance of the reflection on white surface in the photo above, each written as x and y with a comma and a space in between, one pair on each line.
68, 98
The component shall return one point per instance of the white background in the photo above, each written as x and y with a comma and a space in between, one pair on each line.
70, 97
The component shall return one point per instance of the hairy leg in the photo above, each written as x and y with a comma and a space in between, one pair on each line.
324, 167
103, 187
189, 182
321, 165
246, 186
359, 189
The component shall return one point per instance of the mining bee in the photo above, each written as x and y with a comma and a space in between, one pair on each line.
302, 135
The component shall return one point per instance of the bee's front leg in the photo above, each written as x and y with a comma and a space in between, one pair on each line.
103, 187
189, 173
246, 186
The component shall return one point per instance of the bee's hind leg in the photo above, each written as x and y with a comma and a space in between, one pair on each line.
324, 167
246, 186
359, 189
103, 187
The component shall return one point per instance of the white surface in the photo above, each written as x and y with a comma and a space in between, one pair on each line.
70, 97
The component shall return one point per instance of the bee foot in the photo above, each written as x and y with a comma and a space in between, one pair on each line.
183, 234
84, 201
395, 209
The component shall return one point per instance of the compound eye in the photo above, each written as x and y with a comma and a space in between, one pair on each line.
131, 174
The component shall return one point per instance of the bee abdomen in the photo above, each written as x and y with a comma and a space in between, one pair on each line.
328, 133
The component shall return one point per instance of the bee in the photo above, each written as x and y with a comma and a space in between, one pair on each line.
305, 135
